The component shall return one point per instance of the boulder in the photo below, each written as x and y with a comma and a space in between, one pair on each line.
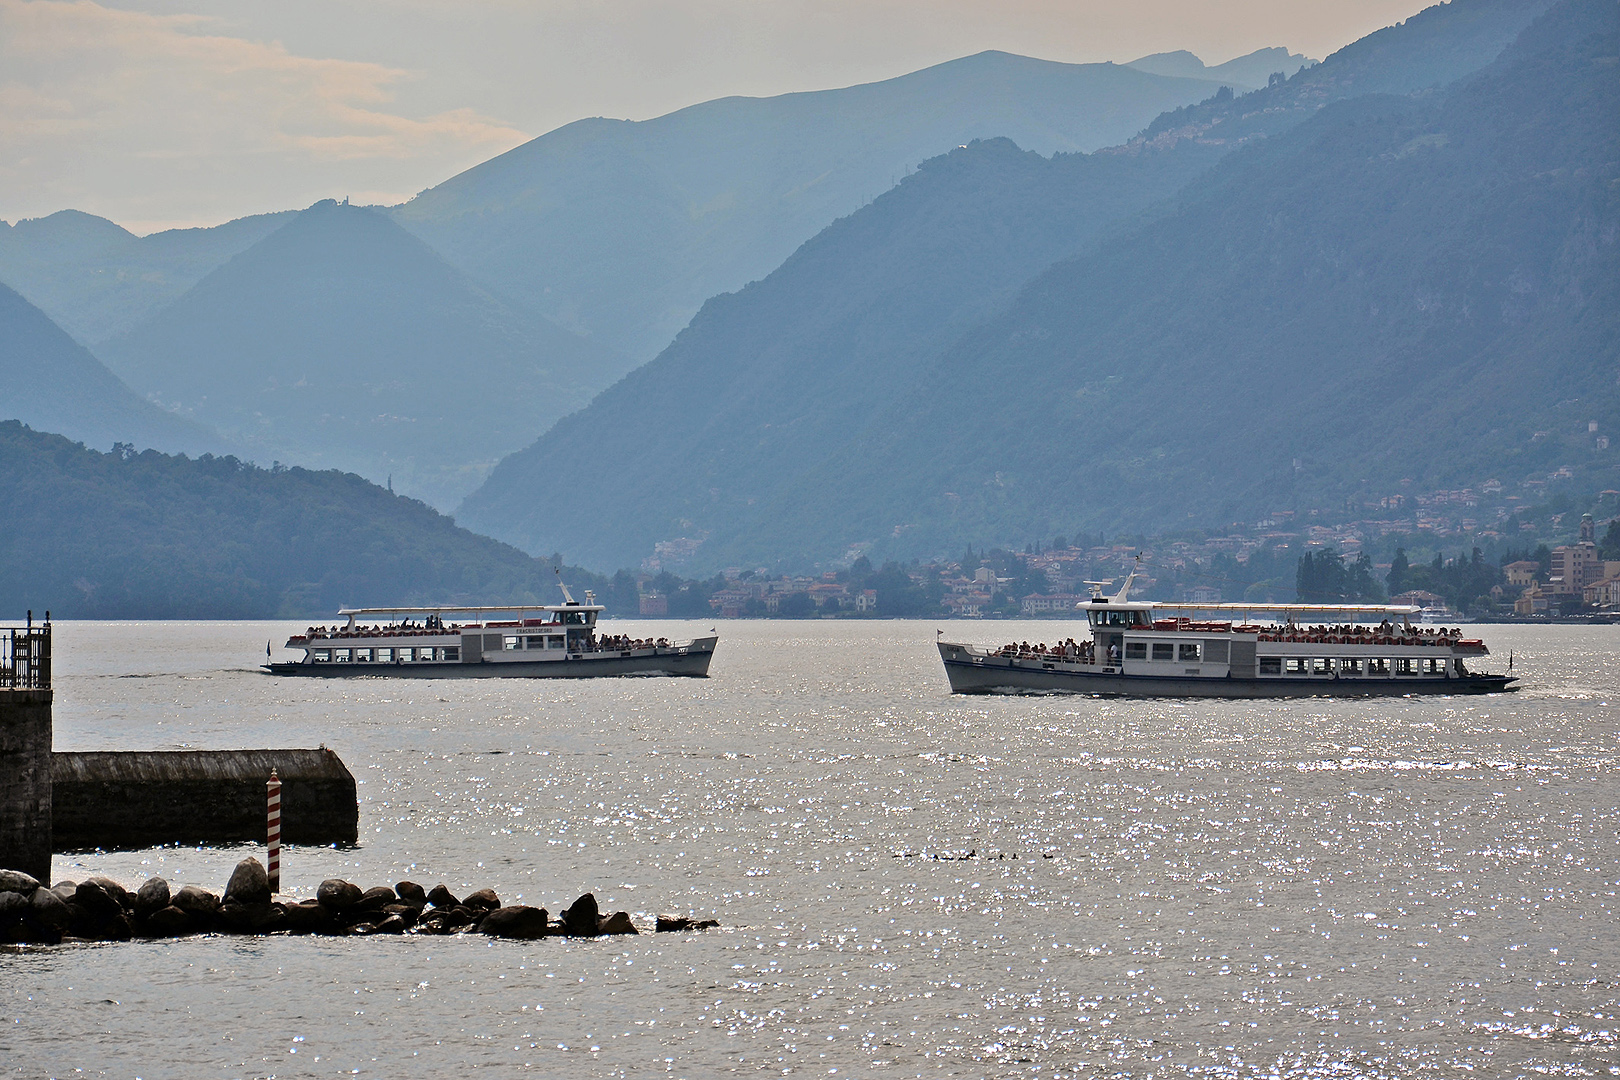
617, 923
408, 912
518, 921
47, 909
338, 895
118, 928
442, 897
431, 923
375, 899
153, 896
239, 918
65, 889
456, 916
483, 898
581, 918
249, 884
233, 918
677, 923
168, 922
83, 923
308, 917
197, 902
116, 890
393, 924
411, 892
95, 901
18, 882
13, 906
359, 929
40, 935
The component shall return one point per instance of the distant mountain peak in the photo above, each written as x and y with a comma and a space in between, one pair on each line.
1248, 72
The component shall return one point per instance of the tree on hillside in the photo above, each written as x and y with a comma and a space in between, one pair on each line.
1323, 578
1609, 548
1399, 568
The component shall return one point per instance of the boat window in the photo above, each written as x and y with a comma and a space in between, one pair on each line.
1187, 650
1378, 667
342, 656
1271, 665
362, 656
1406, 666
573, 618
1140, 618
407, 656
511, 642
1434, 665
453, 652
1296, 665
1164, 650
1350, 667
536, 642
323, 656
554, 641
1136, 650
1321, 666
385, 656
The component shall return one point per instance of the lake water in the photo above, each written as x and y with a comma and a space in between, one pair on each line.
910, 884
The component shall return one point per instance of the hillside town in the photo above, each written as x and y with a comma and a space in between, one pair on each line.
1439, 559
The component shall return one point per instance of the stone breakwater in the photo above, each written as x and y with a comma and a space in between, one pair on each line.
100, 909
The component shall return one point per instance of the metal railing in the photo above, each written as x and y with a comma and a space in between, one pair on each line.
25, 655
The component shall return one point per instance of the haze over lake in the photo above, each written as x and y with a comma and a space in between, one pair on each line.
909, 884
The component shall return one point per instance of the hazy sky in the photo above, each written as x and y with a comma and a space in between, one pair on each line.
180, 112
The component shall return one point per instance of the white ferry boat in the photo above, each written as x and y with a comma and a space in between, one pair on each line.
538, 641
1146, 649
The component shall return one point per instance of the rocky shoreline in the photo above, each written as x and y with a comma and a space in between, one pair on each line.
100, 909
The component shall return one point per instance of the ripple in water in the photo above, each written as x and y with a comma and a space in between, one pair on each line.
910, 884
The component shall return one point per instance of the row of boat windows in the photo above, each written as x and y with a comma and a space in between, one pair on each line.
536, 641
1181, 651
385, 656
1378, 668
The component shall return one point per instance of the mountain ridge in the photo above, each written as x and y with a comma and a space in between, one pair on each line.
52, 382
622, 229
980, 453
340, 339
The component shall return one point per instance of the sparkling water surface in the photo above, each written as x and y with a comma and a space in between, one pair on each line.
909, 883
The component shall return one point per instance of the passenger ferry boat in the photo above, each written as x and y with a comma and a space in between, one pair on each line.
1143, 649
538, 641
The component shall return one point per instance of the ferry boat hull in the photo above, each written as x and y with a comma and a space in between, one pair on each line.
689, 661
970, 672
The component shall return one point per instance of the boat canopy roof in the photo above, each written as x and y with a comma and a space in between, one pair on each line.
466, 609
1290, 609
1304, 609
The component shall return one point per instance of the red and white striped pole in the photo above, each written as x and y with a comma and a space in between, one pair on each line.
273, 840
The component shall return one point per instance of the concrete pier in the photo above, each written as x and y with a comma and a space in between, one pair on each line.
139, 799
25, 747
25, 781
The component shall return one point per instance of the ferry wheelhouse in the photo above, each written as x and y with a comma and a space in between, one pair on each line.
1146, 649
534, 641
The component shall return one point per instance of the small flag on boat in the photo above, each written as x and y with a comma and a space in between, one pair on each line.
267, 650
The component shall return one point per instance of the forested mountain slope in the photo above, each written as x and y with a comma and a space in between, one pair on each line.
1404, 288
51, 382
768, 381
771, 428
120, 535
342, 341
